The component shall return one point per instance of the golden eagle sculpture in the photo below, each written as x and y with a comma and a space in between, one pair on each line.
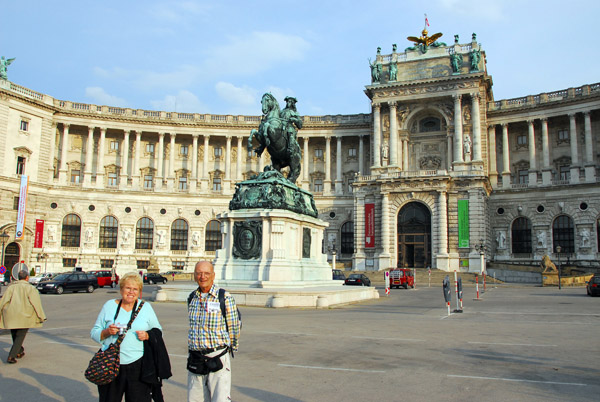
424, 39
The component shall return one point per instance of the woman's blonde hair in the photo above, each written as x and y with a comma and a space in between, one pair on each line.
132, 277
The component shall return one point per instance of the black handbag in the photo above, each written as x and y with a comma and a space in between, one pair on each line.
104, 366
198, 363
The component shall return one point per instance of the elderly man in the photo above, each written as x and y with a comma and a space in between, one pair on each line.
20, 309
214, 331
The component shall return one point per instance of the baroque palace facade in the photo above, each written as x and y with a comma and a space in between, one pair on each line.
436, 175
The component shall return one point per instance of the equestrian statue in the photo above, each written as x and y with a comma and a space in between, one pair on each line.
277, 134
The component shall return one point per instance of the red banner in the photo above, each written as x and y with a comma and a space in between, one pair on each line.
39, 234
369, 225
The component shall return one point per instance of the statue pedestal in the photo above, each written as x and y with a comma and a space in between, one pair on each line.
272, 248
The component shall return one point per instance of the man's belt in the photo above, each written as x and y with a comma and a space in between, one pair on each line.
206, 351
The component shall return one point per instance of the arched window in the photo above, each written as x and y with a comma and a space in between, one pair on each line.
347, 238
71, 231
429, 124
521, 236
179, 235
144, 234
212, 236
563, 234
109, 228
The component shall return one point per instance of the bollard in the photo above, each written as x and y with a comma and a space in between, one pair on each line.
484, 275
414, 278
477, 285
429, 269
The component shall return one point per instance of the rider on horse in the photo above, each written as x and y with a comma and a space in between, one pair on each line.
291, 118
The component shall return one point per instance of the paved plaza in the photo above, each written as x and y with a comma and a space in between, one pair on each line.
516, 344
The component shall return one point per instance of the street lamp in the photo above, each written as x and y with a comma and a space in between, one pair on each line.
333, 254
4, 238
481, 249
558, 248
43, 256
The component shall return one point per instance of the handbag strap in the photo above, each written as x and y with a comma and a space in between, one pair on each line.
134, 313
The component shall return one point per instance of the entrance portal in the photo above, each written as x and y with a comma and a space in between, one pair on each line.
12, 255
414, 236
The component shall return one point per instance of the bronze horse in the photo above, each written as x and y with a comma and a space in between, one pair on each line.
272, 134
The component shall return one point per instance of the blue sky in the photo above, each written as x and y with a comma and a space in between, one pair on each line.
220, 57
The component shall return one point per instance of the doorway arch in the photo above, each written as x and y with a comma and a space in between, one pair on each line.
414, 236
12, 255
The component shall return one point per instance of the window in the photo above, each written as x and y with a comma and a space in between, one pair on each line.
563, 234
75, 176
521, 139
218, 152
148, 181
16, 203
112, 179
318, 186
107, 263
183, 150
178, 265
521, 236
212, 236
523, 176
24, 125
352, 152
71, 231
150, 148
142, 264
347, 238
182, 183
216, 184
21, 165
563, 135
564, 173
114, 145
109, 228
69, 262
144, 234
179, 235
319, 153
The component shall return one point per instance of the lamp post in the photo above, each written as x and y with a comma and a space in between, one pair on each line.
481, 249
558, 248
333, 254
43, 256
4, 238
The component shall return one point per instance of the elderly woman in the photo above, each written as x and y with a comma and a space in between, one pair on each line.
114, 317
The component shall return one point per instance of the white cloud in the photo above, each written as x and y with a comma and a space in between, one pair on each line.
238, 97
183, 102
99, 96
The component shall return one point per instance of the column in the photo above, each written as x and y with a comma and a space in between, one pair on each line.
124, 160
442, 212
505, 157
52, 152
458, 134
161, 154
384, 258
136, 165
546, 168
238, 165
476, 128
62, 173
399, 157
194, 178
376, 136
338, 167
574, 150
327, 183
393, 135
361, 155
449, 154
228, 158
100, 168
590, 167
532, 156
172, 150
306, 171
493, 169
205, 175
405, 154
89, 147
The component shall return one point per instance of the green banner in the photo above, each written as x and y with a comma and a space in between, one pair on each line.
463, 223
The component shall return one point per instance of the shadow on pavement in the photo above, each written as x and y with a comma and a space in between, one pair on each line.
69, 389
15, 390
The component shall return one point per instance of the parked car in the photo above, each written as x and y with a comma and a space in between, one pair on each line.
358, 280
34, 280
593, 285
338, 275
69, 282
105, 278
402, 277
151, 278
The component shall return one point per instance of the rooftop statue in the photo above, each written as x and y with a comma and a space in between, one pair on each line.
4, 63
277, 134
423, 42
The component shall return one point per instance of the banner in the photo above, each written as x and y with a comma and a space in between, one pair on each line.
39, 234
22, 207
463, 223
369, 225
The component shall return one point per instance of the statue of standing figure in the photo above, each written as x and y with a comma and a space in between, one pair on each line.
467, 144
4, 63
456, 61
475, 56
393, 71
375, 71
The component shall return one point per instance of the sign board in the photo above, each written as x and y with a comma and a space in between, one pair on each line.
370, 225
2, 269
39, 234
19, 266
19, 233
463, 223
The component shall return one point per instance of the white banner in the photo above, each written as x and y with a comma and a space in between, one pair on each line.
22, 207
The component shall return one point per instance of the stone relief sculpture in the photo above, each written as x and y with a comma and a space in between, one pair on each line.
52, 234
585, 238
501, 239
126, 235
161, 237
195, 239
541, 239
89, 235
4, 63
430, 162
